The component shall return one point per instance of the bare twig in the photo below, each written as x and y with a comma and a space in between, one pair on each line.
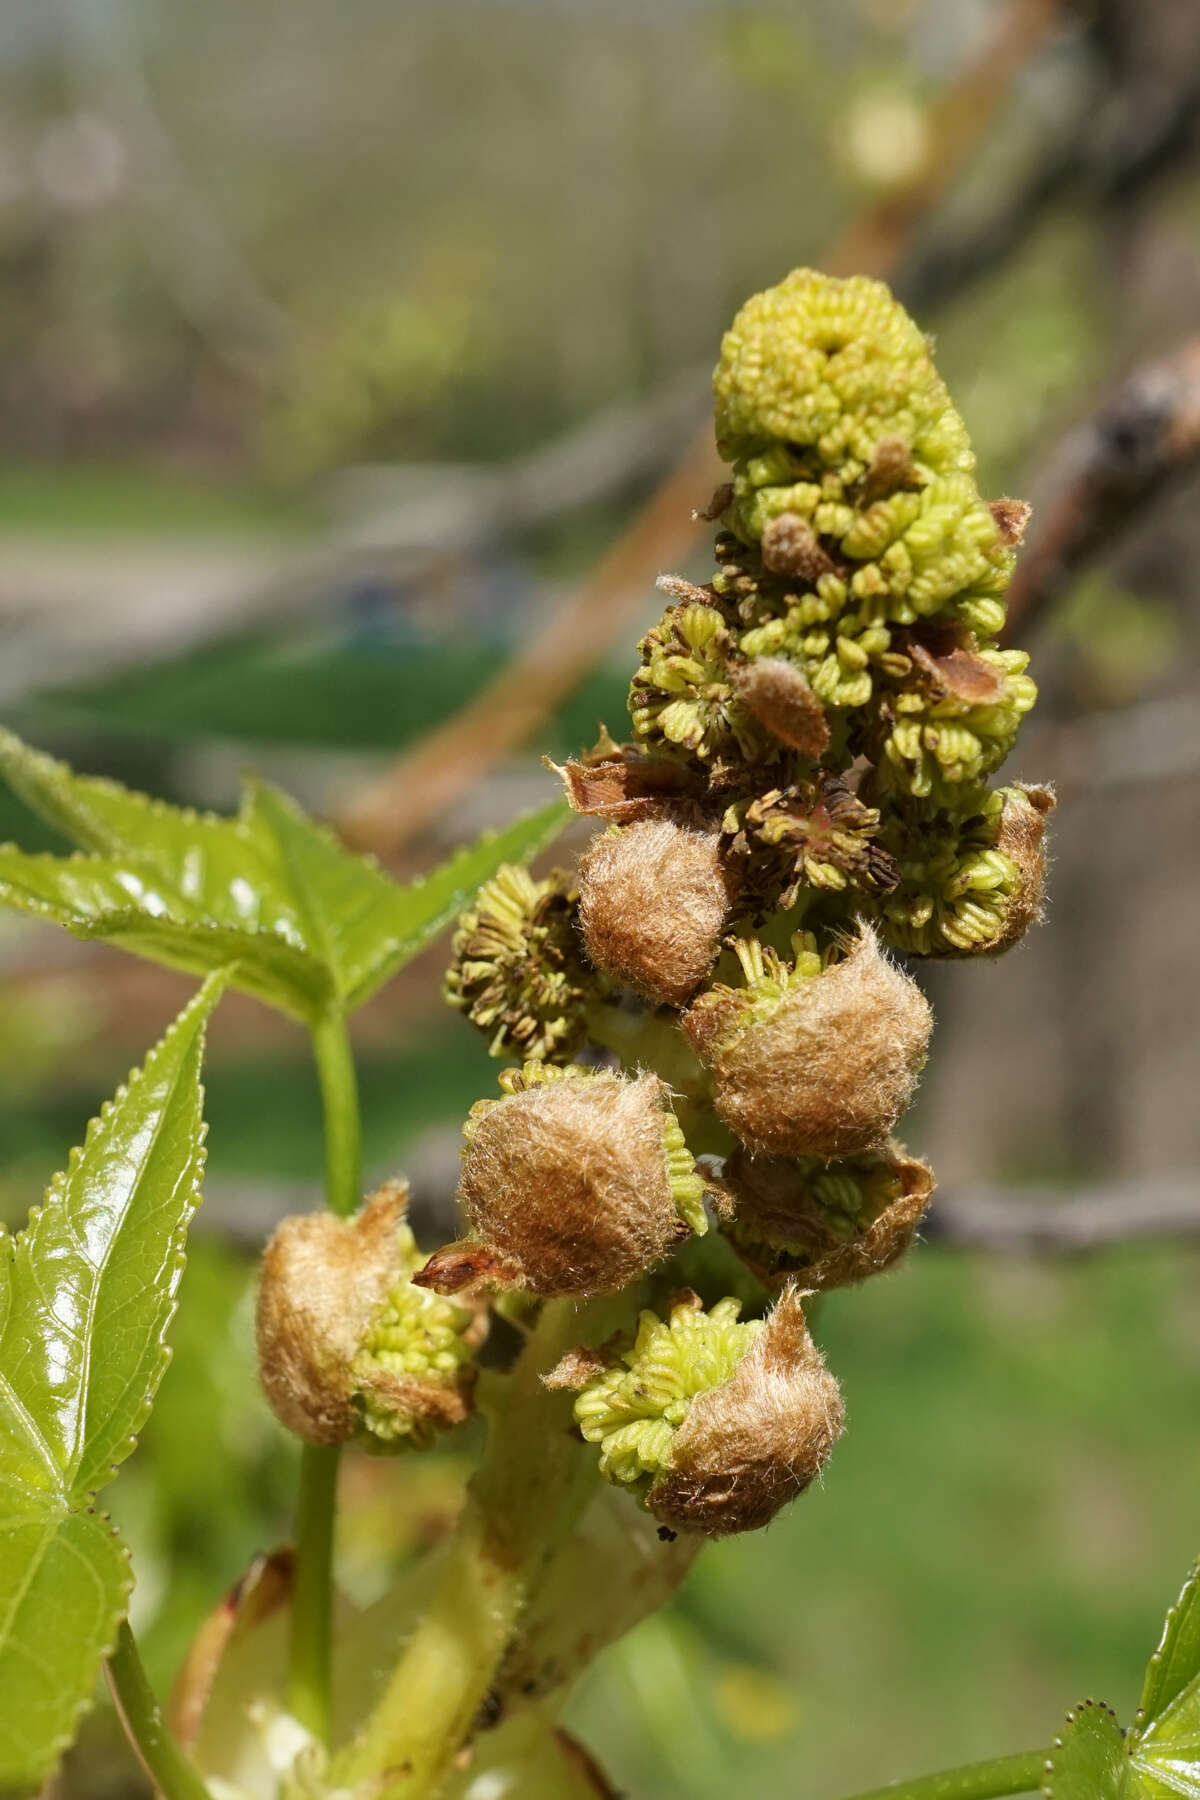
1046, 1219
1111, 467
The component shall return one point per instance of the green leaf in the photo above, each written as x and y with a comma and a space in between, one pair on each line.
1088, 1761
1164, 1744
308, 924
1176, 1662
65, 1578
86, 1294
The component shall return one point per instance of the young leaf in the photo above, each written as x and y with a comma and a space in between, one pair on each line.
309, 924
1088, 1761
1164, 1744
86, 1294
1176, 1662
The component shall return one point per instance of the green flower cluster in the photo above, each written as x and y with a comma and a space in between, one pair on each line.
633, 1410
858, 555
413, 1348
806, 790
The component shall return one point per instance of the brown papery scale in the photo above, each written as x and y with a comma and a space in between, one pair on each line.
789, 1220
324, 1281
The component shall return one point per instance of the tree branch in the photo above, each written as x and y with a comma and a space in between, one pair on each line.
1111, 468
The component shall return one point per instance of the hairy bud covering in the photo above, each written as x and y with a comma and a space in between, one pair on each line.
346, 1343
714, 1424
574, 1183
809, 1060
653, 900
829, 1224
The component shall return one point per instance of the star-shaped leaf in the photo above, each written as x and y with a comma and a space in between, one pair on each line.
1158, 1758
309, 925
1088, 1761
87, 1291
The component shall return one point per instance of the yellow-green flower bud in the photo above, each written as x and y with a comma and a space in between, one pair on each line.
810, 835
653, 900
347, 1345
953, 724
970, 882
575, 1182
814, 1058
684, 698
713, 1424
517, 971
835, 368
826, 1224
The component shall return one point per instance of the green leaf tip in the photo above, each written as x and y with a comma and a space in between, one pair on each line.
297, 919
87, 1291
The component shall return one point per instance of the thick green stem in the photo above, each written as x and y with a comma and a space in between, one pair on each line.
972, 1781
309, 1668
339, 1102
173, 1776
525, 1496
309, 1673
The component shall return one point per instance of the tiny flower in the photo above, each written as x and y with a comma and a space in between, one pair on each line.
813, 834
828, 1224
683, 697
970, 882
517, 971
952, 723
347, 1345
653, 901
814, 1058
712, 1423
575, 1182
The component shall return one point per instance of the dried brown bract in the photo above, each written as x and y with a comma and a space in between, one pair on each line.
828, 1224
778, 695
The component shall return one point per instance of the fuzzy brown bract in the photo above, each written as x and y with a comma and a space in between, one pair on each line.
780, 698
324, 1281
1021, 837
653, 899
569, 1182
781, 1231
827, 1069
749, 1446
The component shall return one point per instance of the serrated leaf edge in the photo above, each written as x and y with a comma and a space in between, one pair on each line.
54, 1193
1101, 1706
58, 1747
